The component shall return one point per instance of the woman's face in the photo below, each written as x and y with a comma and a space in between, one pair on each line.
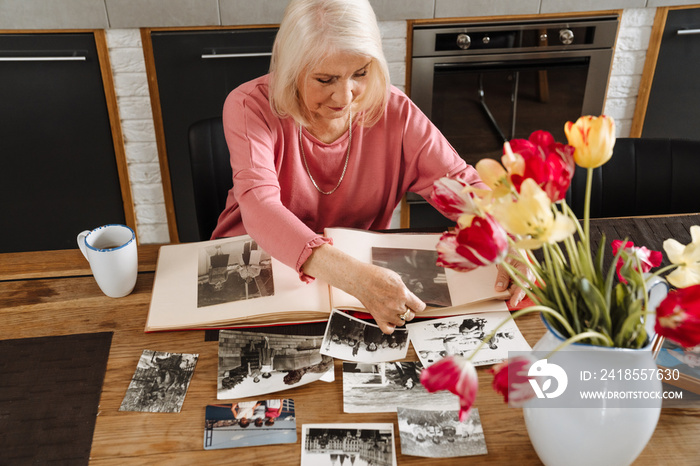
332, 86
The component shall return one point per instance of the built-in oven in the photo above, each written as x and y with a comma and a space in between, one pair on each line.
485, 83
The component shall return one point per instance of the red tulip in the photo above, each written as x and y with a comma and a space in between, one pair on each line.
482, 242
647, 259
450, 198
510, 379
550, 164
456, 374
678, 316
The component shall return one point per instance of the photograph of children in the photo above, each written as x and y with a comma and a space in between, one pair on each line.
419, 272
254, 363
434, 339
686, 361
250, 423
160, 382
233, 271
349, 444
381, 387
353, 339
439, 434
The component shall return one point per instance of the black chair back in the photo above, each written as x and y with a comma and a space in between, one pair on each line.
211, 172
644, 177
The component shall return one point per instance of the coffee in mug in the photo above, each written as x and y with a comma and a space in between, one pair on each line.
111, 252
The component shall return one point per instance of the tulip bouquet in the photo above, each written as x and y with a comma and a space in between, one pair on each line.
524, 219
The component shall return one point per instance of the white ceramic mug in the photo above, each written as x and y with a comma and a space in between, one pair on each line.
111, 252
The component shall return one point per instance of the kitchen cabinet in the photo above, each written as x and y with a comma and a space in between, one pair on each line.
191, 72
673, 105
59, 172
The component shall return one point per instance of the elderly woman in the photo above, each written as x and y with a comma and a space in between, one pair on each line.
324, 140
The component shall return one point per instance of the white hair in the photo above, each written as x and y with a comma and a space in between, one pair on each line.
310, 31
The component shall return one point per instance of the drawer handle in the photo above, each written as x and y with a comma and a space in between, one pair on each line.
78, 58
687, 32
236, 55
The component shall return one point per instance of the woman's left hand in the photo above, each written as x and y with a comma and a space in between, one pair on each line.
504, 282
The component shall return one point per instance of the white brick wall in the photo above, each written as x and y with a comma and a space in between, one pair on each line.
628, 63
131, 85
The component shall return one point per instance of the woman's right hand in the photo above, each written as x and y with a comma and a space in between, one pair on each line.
381, 291
384, 295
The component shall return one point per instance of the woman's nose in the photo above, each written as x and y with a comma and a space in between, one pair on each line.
344, 93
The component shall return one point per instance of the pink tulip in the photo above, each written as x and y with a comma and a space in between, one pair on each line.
549, 163
510, 379
450, 199
456, 374
678, 316
482, 242
647, 259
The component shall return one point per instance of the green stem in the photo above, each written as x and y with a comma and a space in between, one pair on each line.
587, 217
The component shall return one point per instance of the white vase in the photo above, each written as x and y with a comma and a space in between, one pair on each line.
604, 431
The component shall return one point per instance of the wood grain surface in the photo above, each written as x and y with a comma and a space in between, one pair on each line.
34, 307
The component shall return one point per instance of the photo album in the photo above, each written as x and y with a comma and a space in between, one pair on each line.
232, 282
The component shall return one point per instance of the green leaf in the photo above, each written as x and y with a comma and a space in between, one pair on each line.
594, 300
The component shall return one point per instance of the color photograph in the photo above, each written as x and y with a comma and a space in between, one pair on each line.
250, 423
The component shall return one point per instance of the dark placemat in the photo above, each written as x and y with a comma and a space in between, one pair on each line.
49, 397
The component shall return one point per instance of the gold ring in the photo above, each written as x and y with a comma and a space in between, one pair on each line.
404, 316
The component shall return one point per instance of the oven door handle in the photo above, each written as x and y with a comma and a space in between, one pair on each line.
515, 65
687, 32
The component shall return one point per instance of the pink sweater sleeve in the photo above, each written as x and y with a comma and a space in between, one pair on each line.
253, 138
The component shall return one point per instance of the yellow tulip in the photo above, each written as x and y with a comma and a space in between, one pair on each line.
531, 218
593, 138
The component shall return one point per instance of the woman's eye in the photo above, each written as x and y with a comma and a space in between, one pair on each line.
361, 74
324, 81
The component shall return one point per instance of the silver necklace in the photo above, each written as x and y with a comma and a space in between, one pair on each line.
347, 158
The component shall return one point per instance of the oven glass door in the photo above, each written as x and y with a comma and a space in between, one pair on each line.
480, 102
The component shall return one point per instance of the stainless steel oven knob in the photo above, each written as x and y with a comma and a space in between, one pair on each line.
566, 36
486, 40
464, 41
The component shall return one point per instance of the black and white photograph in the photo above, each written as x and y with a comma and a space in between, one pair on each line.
233, 271
381, 387
440, 434
255, 363
353, 339
351, 444
160, 382
462, 335
419, 272
250, 423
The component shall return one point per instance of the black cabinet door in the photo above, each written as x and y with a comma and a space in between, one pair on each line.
58, 172
195, 71
673, 109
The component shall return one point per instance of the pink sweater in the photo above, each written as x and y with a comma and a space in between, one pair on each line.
273, 199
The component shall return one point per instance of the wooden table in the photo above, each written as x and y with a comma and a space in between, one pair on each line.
53, 293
